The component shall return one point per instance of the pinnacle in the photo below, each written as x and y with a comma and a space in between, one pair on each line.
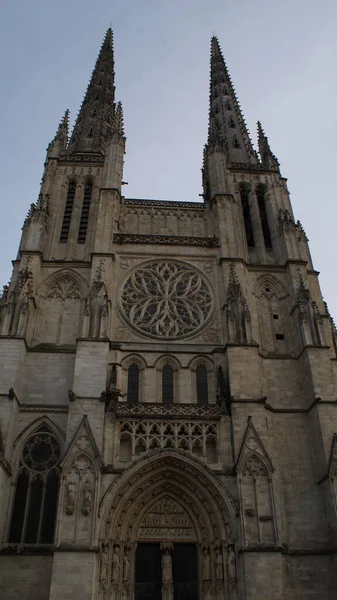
268, 159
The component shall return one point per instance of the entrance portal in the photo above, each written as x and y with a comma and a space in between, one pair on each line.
167, 571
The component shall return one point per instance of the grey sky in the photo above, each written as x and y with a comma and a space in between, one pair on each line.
282, 57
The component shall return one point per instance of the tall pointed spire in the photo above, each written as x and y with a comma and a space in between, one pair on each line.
227, 128
58, 145
268, 159
93, 127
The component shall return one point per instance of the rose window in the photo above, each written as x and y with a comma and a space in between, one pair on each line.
166, 299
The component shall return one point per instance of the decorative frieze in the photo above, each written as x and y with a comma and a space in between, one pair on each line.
128, 238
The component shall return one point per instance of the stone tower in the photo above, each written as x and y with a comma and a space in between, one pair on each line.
168, 417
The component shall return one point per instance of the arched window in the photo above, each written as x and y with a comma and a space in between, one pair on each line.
260, 194
244, 195
167, 384
68, 212
202, 384
82, 232
35, 501
133, 383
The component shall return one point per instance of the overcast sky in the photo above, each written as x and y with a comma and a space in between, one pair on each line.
282, 56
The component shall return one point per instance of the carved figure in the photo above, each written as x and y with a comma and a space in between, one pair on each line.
87, 498
218, 564
231, 564
115, 564
71, 494
206, 565
104, 563
166, 565
126, 567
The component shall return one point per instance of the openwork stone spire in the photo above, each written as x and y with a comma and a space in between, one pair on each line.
94, 126
227, 129
268, 159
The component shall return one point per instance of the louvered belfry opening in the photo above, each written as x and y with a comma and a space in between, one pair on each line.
82, 232
68, 212
244, 195
260, 194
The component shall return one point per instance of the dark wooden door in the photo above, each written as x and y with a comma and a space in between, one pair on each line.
148, 572
185, 572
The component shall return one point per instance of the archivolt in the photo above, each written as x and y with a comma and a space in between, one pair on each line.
209, 504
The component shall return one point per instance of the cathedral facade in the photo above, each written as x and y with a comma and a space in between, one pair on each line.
168, 413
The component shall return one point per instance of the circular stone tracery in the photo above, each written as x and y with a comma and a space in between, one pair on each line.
166, 299
41, 452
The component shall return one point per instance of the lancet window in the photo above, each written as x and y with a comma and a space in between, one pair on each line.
133, 383
244, 195
260, 194
167, 384
68, 212
82, 232
36, 491
202, 384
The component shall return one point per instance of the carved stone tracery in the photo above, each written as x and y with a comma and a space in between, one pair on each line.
166, 299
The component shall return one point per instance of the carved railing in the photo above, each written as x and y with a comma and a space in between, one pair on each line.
158, 409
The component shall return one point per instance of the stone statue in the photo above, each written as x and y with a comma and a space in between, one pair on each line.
71, 494
218, 564
104, 564
167, 581
206, 565
166, 565
87, 498
231, 564
115, 564
126, 567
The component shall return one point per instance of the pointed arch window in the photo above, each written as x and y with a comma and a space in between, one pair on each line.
244, 196
36, 491
228, 105
167, 384
90, 133
231, 123
68, 212
133, 383
82, 232
94, 113
202, 385
260, 194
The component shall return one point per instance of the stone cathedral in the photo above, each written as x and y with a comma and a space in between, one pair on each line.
168, 405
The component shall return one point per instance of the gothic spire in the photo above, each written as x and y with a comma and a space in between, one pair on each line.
227, 129
93, 127
268, 159
59, 143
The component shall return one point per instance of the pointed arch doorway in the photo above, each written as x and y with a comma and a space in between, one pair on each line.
166, 564
167, 533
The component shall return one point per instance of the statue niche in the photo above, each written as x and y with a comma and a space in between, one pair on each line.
59, 312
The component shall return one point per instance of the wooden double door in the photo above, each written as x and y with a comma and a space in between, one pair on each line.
148, 576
